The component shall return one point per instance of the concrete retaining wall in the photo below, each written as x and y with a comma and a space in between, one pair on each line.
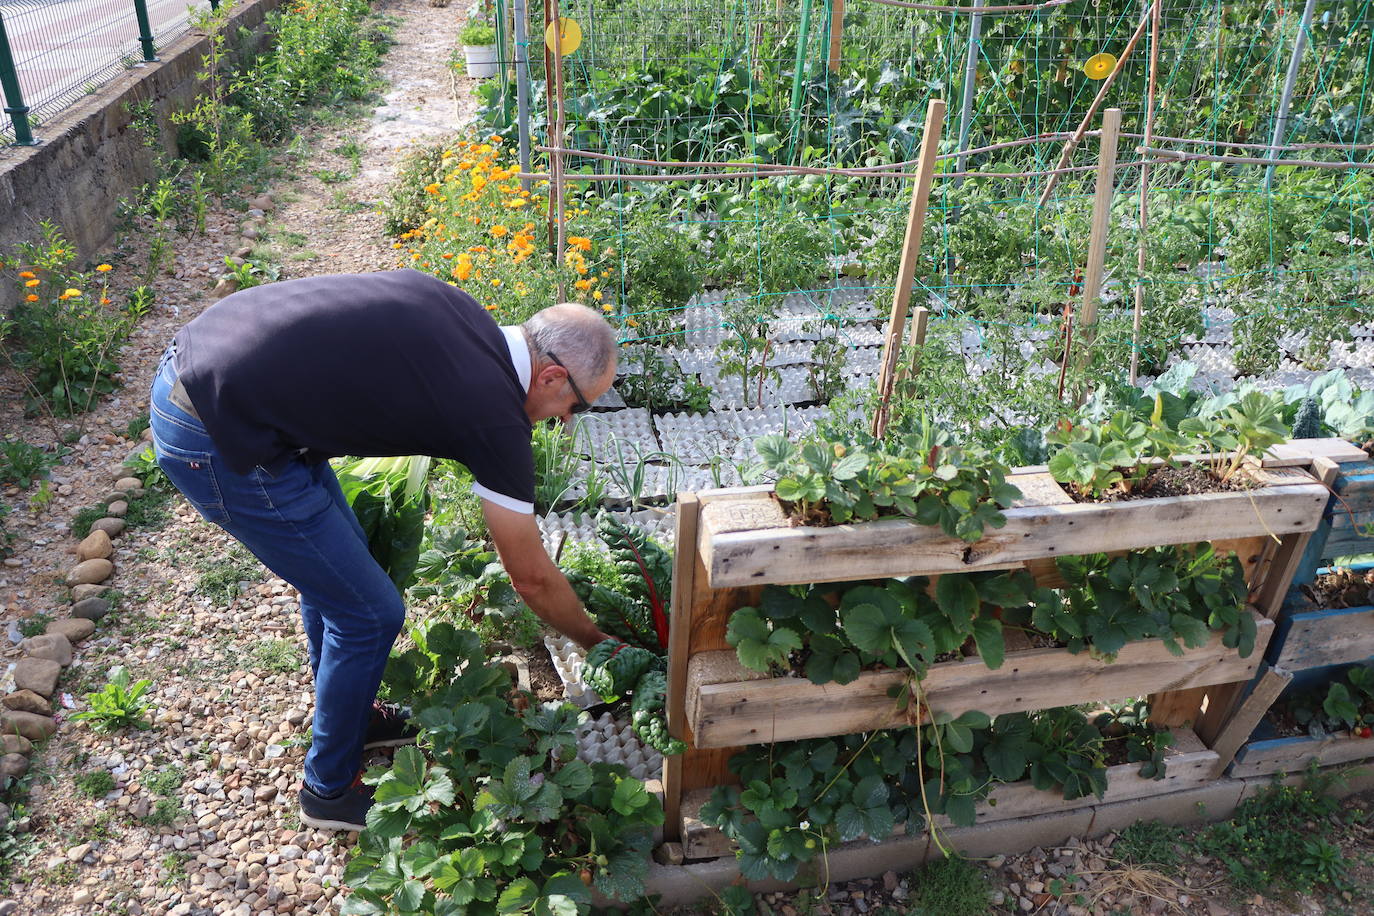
89, 158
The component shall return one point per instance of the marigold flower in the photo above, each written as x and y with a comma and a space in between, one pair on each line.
31, 298
583, 284
432, 188
27, 275
498, 230
105, 300
32, 283
104, 268
597, 296
607, 307
492, 308
515, 202
581, 242
496, 282
73, 293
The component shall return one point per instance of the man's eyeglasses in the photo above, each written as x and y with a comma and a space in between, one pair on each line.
581, 404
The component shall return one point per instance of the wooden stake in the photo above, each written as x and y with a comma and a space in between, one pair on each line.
836, 33
906, 273
1145, 192
1097, 244
920, 318
1072, 143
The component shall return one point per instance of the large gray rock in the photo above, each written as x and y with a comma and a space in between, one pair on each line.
90, 572
119, 508
95, 546
50, 646
91, 608
31, 726
114, 527
28, 701
37, 674
74, 629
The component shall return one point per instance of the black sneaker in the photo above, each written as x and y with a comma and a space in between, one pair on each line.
389, 727
344, 812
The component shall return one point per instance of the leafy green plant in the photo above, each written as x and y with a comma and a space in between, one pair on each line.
390, 497
921, 475
659, 384
1248, 426
1345, 703
466, 575
1146, 744
1177, 594
499, 817
118, 705
628, 595
950, 886
1097, 459
477, 34
21, 463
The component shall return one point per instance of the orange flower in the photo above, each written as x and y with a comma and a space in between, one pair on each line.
498, 230
104, 268
32, 283
27, 275
492, 308
31, 298
578, 241
105, 300
583, 284
464, 268
432, 188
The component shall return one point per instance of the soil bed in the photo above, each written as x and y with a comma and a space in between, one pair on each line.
1186, 480
1341, 588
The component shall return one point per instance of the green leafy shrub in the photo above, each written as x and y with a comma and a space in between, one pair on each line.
390, 497
477, 34
21, 463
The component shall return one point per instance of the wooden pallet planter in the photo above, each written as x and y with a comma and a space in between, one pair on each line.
1316, 639
742, 710
733, 542
1189, 764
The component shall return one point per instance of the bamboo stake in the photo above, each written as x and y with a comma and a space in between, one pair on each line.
1097, 244
1145, 193
549, 122
836, 33
906, 273
1072, 143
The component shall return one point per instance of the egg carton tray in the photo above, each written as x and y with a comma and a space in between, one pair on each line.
605, 739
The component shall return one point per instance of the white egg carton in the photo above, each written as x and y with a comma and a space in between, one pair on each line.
567, 657
595, 433
607, 740
696, 438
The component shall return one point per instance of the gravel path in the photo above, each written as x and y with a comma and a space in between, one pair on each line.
202, 817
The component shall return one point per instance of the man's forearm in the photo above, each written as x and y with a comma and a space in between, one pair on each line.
558, 606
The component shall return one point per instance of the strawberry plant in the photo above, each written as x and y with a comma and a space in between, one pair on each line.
1145, 744
1177, 594
1117, 455
496, 815
1346, 703
920, 474
1250, 425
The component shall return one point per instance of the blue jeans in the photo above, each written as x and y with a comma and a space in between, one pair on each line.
301, 527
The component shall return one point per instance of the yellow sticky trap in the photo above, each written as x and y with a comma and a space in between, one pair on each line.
1098, 66
570, 35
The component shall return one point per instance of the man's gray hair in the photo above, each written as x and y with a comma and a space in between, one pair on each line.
583, 340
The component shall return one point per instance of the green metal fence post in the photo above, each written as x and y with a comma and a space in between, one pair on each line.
803, 36
14, 99
145, 31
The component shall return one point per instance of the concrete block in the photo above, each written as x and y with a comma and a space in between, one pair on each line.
1015, 836
1212, 802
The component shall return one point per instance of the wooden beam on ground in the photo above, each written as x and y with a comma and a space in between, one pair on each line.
906, 272
1267, 689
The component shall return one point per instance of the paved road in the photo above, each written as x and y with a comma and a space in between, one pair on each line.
64, 49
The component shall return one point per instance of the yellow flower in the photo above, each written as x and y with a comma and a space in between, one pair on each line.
496, 282
515, 202
72, 293
104, 268
597, 296
607, 307
32, 283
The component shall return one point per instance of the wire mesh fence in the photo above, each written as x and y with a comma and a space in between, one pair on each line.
63, 50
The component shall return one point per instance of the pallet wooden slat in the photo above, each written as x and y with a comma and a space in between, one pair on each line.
1291, 755
747, 540
1300, 452
738, 712
1328, 637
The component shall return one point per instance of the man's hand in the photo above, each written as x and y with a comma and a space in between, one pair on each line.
539, 582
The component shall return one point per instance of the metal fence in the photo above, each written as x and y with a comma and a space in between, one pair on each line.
53, 52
